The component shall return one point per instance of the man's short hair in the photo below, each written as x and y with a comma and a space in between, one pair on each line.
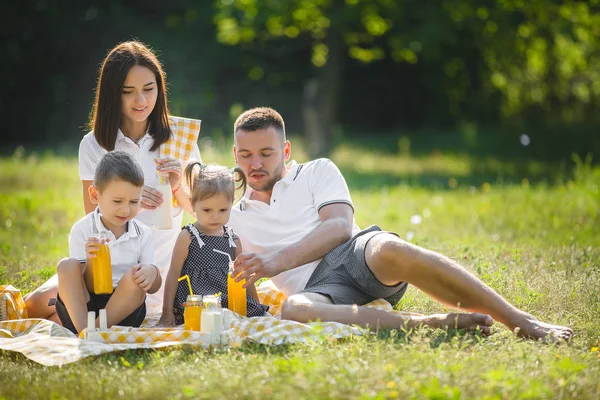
260, 118
118, 165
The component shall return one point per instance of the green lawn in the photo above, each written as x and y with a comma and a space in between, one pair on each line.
529, 229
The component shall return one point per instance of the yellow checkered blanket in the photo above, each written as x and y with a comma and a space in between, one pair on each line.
50, 344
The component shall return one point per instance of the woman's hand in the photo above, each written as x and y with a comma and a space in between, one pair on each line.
151, 198
171, 166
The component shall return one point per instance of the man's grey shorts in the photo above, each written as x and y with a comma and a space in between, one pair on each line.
344, 277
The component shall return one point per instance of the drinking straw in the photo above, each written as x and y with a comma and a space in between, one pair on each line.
188, 281
222, 252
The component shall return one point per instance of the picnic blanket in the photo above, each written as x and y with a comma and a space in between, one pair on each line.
50, 344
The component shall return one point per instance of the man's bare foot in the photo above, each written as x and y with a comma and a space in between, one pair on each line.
471, 322
531, 328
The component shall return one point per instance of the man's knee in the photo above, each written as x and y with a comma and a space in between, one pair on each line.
387, 253
293, 307
390, 250
300, 307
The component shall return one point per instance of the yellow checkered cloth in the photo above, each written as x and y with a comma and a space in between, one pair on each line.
50, 344
184, 135
12, 305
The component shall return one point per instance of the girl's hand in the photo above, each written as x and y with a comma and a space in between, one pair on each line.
144, 275
92, 246
172, 166
151, 198
166, 319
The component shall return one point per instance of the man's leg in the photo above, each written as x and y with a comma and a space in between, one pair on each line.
37, 301
305, 307
393, 260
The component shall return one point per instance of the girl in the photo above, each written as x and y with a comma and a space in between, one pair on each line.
130, 114
212, 191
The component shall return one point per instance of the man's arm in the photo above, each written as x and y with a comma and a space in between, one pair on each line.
335, 229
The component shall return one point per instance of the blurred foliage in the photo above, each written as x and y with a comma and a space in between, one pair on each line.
450, 65
519, 56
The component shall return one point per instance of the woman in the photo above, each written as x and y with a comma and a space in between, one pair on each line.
130, 113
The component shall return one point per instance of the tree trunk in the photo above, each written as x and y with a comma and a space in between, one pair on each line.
321, 97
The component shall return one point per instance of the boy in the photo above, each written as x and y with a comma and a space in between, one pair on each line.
117, 191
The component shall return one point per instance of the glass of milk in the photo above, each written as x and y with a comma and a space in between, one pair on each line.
212, 317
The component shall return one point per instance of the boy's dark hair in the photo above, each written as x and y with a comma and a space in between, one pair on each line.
260, 118
118, 165
205, 181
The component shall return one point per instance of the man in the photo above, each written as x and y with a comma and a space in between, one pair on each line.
297, 227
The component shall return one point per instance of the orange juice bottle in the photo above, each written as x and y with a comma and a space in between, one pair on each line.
192, 314
102, 269
236, 294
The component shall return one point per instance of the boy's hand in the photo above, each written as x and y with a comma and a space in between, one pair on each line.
166, 319
144, 275
92, 246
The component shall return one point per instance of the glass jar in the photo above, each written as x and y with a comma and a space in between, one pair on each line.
102, 267
212, 315
192, 314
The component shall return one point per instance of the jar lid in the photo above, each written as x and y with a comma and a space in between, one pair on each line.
194, 300
212, 301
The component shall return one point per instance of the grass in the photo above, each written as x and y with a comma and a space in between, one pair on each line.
530, 230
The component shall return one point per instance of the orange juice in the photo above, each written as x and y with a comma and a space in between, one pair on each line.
102, 271
192, 314
236, 295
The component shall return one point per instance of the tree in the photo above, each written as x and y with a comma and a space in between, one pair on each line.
502, 61
329, 28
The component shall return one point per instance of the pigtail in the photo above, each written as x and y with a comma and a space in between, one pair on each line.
190, 176
239, 176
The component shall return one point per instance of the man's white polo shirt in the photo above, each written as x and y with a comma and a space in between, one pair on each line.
292, 214
132, 248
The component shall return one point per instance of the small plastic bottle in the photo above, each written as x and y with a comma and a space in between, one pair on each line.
102, 268
164, 219
192, 314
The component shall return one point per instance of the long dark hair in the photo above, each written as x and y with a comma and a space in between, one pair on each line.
105, 118
205, 181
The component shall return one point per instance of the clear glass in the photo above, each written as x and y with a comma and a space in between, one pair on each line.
102, 268
192, 314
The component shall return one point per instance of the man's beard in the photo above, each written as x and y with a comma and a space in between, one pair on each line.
270, 183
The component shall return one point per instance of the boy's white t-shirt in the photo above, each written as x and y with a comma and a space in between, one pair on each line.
90, 153
131, 248
292, 214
